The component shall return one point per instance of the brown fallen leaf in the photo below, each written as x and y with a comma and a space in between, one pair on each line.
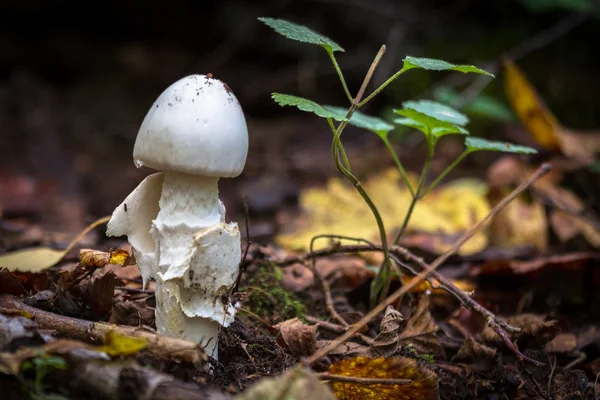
535, 331
99, 294
478, 356
424, 385
420, 329
297, 278
300, 338
569, 261
386, 343
131, 313
562, 343
345, 349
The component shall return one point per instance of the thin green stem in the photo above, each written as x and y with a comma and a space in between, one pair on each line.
445, 172
403, 172
383, 86
382, 281
422, 178
340, 75
334, 149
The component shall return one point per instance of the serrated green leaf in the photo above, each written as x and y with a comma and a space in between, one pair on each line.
438, 111
440, 65
305, 105
300, 33
374, 124
483, 105
478, 144
427, 124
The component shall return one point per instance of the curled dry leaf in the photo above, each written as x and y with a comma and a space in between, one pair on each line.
345, 349
424, 385
420, 330
97, 294
535, 331
386, 343
297, 278
480, 357
96, 258
300, 338
295, 384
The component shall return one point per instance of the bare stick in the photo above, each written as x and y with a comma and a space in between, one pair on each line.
325, 376
543, 170
248, 243
88, 331
369, 75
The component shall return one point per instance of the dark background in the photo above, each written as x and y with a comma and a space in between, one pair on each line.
76, 79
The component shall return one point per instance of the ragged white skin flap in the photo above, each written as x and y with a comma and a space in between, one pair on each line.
188, 205
133, 218
209, 273
171, 321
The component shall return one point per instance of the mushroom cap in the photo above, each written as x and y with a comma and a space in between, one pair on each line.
195, 126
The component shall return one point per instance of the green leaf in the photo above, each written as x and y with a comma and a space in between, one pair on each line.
300, 33
478, 144
305, 105
439, 65
427, 124
438, 111
374, 124
483, 105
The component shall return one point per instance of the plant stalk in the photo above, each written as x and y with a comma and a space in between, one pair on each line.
340, 75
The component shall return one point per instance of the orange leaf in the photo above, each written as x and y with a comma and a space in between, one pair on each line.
530, 109
424, 383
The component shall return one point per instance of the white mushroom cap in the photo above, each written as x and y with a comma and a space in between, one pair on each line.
195, 126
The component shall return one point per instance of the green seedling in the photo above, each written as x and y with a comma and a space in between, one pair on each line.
433, 119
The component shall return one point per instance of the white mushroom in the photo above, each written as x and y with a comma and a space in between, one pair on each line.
196, 133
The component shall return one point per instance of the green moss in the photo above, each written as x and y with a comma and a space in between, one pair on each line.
268, 299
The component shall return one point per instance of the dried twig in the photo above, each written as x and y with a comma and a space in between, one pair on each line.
362, 381
88, 331
335, 328
543, 170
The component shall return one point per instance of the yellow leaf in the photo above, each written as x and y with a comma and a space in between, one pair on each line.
530, 109
116, 344
521, 224
41, 258
31, 260
442, 216
96, 258
424, 383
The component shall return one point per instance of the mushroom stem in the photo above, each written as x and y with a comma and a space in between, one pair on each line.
198, 255
188, 204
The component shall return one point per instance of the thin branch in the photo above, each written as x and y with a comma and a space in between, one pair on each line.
370, 72
88, 331
326, 376
543, 170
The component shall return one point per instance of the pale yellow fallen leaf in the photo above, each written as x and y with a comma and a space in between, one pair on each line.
443, 215
40, 258
521, 224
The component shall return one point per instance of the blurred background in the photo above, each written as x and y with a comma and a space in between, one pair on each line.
77, 78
